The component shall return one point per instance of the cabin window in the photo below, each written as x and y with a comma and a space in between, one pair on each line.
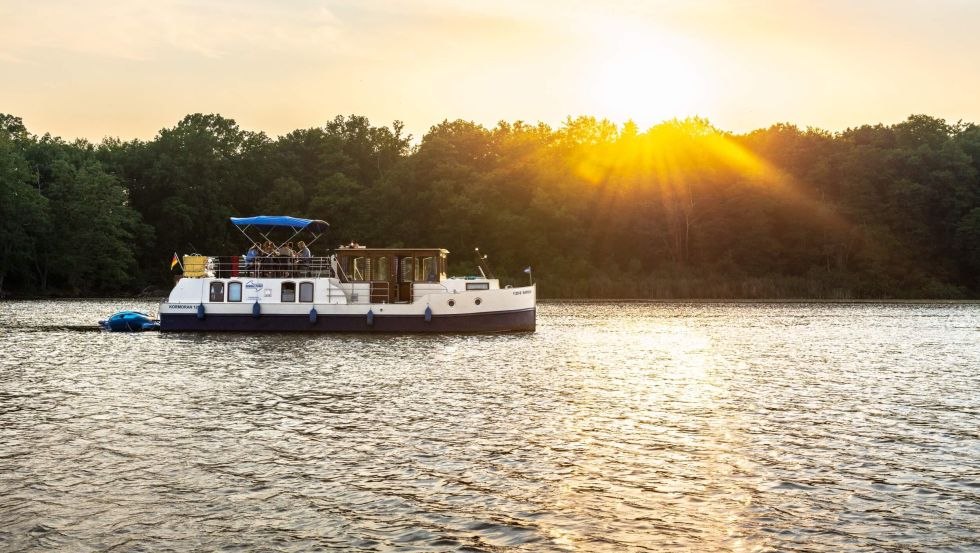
306, 291
288, 292
427, 270
359, 268
234, 291
379, 269
407, 269
477, 285
217, 291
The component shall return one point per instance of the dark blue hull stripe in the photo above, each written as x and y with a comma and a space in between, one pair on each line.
506, 321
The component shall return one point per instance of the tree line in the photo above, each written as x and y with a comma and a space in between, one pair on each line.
679, 210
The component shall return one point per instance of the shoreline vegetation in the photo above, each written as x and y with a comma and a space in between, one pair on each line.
681, 211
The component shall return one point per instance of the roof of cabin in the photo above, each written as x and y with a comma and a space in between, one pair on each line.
407, 251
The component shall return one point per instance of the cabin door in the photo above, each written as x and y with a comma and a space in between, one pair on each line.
404, 275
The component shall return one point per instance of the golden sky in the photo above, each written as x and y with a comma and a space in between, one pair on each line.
99, 68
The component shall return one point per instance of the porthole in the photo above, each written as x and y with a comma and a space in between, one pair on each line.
452, 303
478, 301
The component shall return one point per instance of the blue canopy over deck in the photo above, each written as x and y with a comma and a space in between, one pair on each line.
312, 225
265, 224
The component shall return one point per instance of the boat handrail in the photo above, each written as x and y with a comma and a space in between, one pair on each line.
379, 289
342, 277
199, 266
430, 283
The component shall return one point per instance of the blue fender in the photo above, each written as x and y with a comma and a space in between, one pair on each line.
370, 318
428, 314
256, 309
200, 311
313, 315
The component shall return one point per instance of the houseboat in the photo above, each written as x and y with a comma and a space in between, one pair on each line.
356, 289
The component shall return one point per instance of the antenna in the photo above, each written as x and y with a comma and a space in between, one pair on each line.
482, 264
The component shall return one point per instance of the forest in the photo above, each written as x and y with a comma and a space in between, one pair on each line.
599, 210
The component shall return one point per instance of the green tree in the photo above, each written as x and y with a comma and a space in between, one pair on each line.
968, 243
23, 210
91, 245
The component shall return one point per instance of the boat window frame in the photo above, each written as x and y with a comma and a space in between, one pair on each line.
359, 268
380, 268
236, 284
406, 269
404, 265
299, 291
426, 262
218, 297
282, 291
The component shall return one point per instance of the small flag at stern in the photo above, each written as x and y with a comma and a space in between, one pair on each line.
174, 262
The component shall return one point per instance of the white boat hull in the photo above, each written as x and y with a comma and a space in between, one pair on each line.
443, 309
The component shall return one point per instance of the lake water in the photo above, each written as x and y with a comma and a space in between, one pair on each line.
690, 427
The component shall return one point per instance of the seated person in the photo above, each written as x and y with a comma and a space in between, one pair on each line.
286, 254
266, 251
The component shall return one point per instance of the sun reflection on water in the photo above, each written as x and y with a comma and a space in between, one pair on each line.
660, 444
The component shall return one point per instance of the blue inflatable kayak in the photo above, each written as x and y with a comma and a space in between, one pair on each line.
130, 321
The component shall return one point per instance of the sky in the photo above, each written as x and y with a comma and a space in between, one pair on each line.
129, 68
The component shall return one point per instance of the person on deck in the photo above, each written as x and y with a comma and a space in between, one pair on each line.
250, 261
304, 256
266, 262
286, 259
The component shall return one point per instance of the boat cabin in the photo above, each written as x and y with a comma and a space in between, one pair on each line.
394, 274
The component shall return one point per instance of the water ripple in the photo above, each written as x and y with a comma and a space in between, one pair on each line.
643, 427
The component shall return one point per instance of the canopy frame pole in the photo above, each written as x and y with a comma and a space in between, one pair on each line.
267, 239
249, 238
262, 234
315, 238
295, 234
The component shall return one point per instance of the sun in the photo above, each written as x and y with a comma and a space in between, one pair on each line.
645, 76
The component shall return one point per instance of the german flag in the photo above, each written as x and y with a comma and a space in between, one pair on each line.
174, 262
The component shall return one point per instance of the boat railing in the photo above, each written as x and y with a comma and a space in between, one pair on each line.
259, 267
430, 285
347, 291
379, 292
